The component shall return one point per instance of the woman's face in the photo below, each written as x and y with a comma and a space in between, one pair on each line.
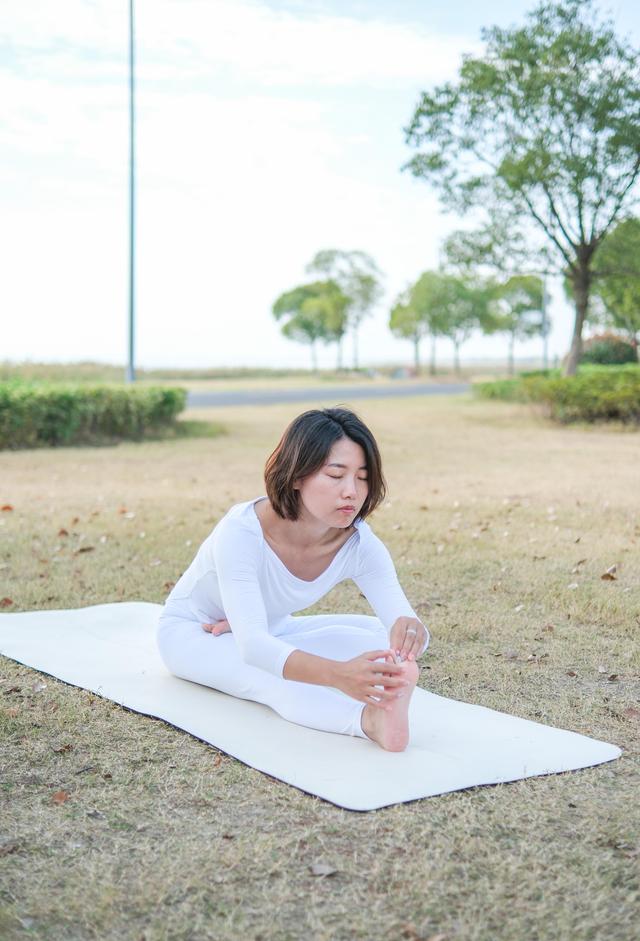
335, 493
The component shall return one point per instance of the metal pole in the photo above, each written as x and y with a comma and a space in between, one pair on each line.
130, 365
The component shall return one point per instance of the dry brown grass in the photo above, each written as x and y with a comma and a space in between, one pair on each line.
491, 510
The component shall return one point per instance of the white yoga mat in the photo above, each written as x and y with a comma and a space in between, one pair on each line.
110, 649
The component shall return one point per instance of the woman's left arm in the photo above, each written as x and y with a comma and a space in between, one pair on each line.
378, 581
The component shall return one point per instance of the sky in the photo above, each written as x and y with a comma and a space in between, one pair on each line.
266, 131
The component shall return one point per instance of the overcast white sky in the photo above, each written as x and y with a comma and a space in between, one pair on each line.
267, 130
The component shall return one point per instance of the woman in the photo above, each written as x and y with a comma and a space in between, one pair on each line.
228, 620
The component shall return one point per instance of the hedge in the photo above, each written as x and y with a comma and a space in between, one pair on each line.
32, 415
608, 349
595, 393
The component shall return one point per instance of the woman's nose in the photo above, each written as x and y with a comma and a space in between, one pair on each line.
349, 487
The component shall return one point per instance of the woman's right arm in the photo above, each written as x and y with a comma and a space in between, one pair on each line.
360, 678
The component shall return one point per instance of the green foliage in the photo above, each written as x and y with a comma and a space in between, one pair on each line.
595, 393
541, 133
507, 390
617, 278
41, 414
359, 279
607, 349
312, 312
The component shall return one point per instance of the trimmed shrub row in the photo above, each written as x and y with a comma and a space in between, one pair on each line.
33, 415
596, 393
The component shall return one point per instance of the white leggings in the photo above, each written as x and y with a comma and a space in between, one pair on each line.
193, 654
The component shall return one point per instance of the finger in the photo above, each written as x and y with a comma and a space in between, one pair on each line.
416, 647
410, 645
388, 695
377, 654
379, 703
388, 665
207, 627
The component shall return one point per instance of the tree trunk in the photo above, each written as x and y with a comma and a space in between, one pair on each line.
339, 360
416, 353
456, 357
314, 357
581, 281
355, 347
432, 363
512, 341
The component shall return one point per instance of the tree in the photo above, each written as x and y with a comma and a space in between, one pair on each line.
542, 135
359, 278
463, 307
617, 284
405, 321
312, 312
517, 310
430, 296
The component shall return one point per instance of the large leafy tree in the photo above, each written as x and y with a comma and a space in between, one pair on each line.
517, 310
541, 134
617, 286
359, 279
312, 313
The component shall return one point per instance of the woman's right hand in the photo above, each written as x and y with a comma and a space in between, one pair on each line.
363, 677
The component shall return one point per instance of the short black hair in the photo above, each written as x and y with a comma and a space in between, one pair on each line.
304, 448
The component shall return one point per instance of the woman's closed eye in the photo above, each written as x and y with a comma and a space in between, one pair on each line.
339, 477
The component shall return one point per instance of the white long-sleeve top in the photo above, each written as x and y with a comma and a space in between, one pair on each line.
236, 575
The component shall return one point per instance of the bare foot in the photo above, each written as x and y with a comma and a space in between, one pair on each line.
390, 729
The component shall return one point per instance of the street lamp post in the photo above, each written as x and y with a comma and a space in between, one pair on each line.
130, 377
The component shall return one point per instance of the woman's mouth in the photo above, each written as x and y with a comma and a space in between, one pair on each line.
347, 510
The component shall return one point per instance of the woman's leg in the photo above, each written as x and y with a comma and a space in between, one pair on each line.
193, 654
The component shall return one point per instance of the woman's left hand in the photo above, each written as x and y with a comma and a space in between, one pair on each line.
407, 638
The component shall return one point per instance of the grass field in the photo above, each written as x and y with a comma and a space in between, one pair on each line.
501, 526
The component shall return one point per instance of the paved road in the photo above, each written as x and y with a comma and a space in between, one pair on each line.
332, 394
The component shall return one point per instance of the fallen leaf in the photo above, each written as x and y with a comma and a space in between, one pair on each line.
322, 869
613, 677
84, 549
548, 628
5, 602
7, 508
610, 574
60, 797
62, 532
571, 673
13, 711
7, 848
75, 520
63, 748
